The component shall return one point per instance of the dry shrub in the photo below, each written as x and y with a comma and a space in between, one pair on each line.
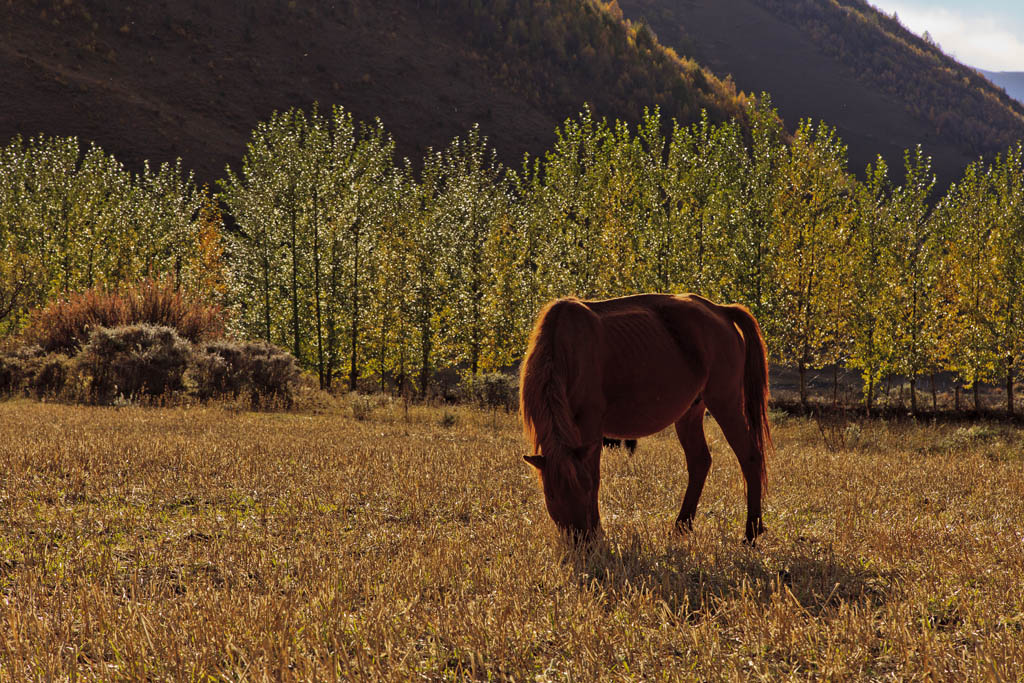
491, 390
227, 368
64, 325
51, 375
133, 360
14, 368
29, 371
161, 303
362, 407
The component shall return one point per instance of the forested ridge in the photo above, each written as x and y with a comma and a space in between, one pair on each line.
886, 55
883, 87
622, 63
372, 269
190, 79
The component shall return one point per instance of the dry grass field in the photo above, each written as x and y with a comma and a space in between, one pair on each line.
367, 542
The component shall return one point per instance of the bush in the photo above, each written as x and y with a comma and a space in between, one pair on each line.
51, 375
491, 390
225, 368
161, 303
28, 370
133, 360
14, 369
64, 325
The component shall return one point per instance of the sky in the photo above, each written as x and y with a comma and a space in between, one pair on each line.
986, 34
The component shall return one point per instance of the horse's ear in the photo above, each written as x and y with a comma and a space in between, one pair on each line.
535, 460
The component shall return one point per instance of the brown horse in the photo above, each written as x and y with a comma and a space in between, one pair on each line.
629, 367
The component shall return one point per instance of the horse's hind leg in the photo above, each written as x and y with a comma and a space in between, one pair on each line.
690, 430
733, 421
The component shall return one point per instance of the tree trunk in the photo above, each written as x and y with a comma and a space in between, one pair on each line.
956, 396
977, 398
869, 397
353, 374
295, 288
935, 396
803, 385
913, 395
425, 359
316, 292
266, 301
835, 384
1009, 384
332, 322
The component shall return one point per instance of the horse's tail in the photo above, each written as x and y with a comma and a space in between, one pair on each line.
755, 383
543, 390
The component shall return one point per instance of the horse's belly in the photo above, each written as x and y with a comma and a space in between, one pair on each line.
631, 415
647, 384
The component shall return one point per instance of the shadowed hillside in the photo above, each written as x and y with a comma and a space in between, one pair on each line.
191, 79
1010, 81
884, 88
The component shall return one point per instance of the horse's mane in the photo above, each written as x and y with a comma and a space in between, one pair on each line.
543, 394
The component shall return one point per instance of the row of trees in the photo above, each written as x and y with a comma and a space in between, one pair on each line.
446, 266
366, 267
72, 218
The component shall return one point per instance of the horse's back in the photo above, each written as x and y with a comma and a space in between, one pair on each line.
688, 324
656, 358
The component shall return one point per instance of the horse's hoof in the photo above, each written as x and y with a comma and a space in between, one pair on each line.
752, 533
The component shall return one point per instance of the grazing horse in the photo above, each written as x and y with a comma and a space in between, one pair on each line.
629, 367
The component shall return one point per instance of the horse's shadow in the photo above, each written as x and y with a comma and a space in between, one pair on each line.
694, 585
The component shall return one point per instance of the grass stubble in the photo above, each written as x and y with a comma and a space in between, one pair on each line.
383, 543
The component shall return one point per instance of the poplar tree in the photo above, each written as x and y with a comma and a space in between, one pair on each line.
966, 288
914, 262
871, 237
812, 224
1007, 247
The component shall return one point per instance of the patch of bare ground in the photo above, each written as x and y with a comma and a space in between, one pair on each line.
371, 540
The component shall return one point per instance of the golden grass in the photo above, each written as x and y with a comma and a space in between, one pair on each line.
365, 542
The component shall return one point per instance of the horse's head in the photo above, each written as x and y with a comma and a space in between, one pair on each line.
571, 481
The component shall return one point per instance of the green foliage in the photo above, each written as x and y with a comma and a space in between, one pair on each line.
445, 267
72, 219
811, 231
311, 200
365, 268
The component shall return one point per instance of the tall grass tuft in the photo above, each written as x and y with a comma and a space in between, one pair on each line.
64, 325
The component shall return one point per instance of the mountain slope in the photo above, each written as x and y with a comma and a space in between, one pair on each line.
1010, 81
191, 79
884, 88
